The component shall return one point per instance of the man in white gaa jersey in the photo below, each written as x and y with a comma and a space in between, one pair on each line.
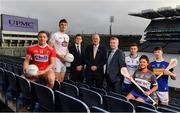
132, 62
60, 41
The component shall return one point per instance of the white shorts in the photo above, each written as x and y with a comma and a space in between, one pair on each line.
59, 66
163, 97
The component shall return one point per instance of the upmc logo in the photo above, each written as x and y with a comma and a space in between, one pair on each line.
41, 58
18, 23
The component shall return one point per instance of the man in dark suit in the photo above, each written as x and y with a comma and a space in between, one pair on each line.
95, 59
77, 66
115, 60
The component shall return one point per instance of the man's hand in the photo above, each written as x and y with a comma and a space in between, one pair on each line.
61, 58
93, 68
24, 70
166, 72
39, 73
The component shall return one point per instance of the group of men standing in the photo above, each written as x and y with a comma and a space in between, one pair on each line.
92, 64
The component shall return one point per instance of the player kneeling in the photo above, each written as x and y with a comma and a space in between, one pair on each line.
43, 56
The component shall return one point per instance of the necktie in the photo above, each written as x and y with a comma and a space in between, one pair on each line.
94, 51
110, 57
78, 51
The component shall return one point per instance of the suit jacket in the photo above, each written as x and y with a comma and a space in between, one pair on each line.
78, 59
113, 69
99, 61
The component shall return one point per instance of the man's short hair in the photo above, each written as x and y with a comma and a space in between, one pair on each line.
134, 44
63, 21
158, 48
47, 33
77, 36
114, 38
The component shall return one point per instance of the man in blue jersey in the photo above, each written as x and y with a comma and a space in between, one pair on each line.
159, 66
132, 62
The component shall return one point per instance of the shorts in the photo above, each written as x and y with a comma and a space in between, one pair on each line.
140, 95
127, 87
163, 96
59, 66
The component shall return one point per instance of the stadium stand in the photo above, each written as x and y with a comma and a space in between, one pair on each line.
39, 98
163, 30
173, 47
153, 45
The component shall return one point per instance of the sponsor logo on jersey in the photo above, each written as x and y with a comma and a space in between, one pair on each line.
143, 83
41, 58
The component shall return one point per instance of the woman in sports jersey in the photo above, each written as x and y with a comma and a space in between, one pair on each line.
145, 79
43, 56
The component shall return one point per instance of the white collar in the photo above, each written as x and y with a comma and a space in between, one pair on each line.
78, 45
96, 45
159, 60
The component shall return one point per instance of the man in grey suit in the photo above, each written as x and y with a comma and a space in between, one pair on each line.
115, 60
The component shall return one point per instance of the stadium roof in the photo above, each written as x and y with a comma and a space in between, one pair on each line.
163, 12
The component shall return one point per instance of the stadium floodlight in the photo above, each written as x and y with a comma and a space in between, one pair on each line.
178, 7
164, 8
147, 11
110, 27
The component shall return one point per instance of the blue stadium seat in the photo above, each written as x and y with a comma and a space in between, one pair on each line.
69, 81
2, 82
66, 103
12, 91
144, 109
25, 93
113, 94
98, 109
170, 107
163, 109
100, 91
45, 97
78, 84
113, 104
70, 89
57, 85
90, 97
137, 103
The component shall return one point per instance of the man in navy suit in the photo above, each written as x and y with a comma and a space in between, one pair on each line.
116, 60
77, 66
95, 59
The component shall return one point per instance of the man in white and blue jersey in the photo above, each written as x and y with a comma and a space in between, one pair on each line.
132, 62
159, 66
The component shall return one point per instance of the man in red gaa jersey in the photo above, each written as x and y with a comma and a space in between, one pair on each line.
43, 56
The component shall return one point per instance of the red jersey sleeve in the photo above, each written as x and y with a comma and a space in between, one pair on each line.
53, 53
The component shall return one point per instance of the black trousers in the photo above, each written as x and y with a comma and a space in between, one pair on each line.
95, 79
114, 86
76, 76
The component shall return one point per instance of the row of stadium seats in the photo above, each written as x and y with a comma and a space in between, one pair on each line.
153, 45
164, 25
68, 96
173, 47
